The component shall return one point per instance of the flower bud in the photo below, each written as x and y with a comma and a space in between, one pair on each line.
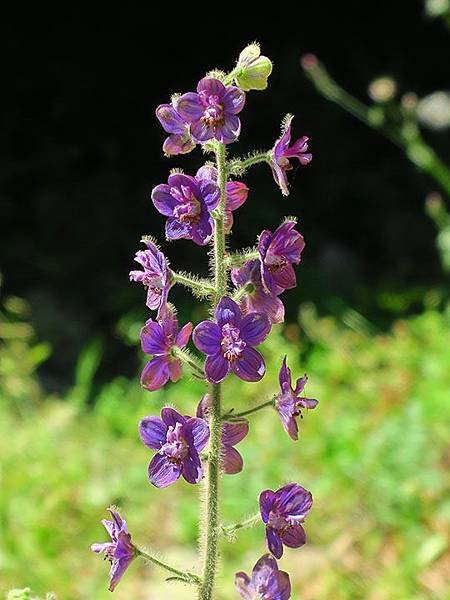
382, 89
434, 110
253, 70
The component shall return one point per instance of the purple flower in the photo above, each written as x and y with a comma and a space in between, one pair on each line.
233, 432
266, 583
282, 152
155, 276
119, 551
160, 338
179, 140
228, 343
257, 299
236, 193
212, 111
288, 402
278, 252
178, 441
187, 203
283, 512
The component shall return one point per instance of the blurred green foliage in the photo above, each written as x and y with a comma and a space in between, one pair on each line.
374, 454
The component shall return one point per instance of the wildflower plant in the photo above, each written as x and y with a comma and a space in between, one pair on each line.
244, 295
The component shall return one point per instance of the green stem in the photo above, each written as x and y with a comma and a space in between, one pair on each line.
184, 575
237, 259
200, 287
239, 165
416, 149
245, 289
230, 76
230, 530
250, 411
190, 361
210, 533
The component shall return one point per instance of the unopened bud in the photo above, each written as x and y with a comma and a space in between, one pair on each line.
382, 89
253, 70
434, 110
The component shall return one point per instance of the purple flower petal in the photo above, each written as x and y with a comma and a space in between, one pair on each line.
170, 119
279, 586
99, 548
285, 278
216, 368
210, 193
274, 542
229, 131
269, 304
201, 131
309, 403
178, 143
289, 423
232, 462
249, 366
171, 417
293, 536
207, 337
207, 172
266, 500
184, 335
192, 467
236, 194
116, 572
227, 311
175, 369
254, 328
234, 432
294, 500
233, 100
162, 472
263, 570
211, 86
155, 373
153, 340
199, 430
176, 230
152, 431
284, 376
163, 201
188, 106
243, 586
300, 383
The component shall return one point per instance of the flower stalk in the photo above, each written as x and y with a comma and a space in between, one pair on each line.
250, 411
209, 529
185, 576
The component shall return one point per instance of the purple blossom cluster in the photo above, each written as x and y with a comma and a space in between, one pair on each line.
200, 208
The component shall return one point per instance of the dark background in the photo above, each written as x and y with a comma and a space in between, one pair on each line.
81, 150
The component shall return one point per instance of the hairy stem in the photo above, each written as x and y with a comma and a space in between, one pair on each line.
210, 527
200, 287
230, 530
240, 165
184, 575
415, 147
237, 259
232, 416
190, 361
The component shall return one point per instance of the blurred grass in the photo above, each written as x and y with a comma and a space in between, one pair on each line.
374, 453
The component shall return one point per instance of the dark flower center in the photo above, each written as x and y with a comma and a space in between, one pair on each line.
154, 282
232, 345
274, 263
176, 447
276, 521
189, 207
213, 110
